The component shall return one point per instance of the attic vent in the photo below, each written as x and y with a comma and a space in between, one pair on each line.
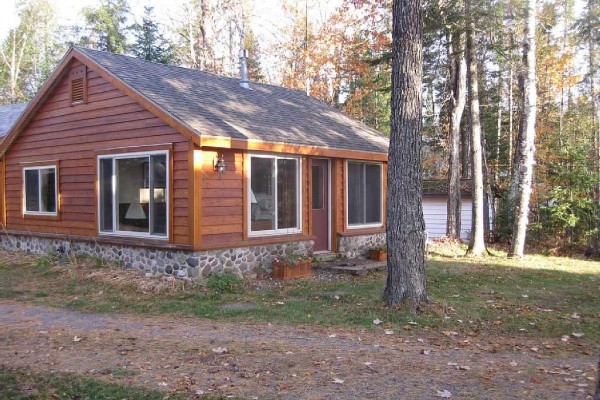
77, 91
78, 79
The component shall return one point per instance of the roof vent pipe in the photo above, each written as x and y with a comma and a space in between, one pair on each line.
244, 69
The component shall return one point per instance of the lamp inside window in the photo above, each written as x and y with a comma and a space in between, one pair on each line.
219, 164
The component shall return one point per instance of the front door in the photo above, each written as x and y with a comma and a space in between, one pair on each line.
320, 203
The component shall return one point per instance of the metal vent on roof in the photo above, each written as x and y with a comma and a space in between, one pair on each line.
77, 94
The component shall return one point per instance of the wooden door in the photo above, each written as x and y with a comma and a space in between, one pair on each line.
320, 203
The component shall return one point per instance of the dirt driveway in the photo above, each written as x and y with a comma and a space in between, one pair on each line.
281, 362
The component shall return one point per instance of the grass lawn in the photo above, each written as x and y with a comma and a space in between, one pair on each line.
21, 384
539, 297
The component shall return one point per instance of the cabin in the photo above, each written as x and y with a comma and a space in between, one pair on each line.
177, 171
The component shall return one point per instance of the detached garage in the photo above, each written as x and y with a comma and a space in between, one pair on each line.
435, 196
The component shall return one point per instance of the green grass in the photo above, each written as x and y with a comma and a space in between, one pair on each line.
536, 297
21, 384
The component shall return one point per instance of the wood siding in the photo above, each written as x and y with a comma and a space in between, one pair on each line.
222, 197
71, 136
224, 208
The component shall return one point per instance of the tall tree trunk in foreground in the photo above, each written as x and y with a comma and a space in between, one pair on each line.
405, 225
477, 242
458, 88
526, 145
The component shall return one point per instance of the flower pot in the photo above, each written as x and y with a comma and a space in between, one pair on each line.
378, 255
284, 271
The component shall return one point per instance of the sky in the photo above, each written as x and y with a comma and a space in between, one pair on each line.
267, 14
267, 18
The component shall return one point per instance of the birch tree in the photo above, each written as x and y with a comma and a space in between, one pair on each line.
458, 88
28, 53
12, 53
526, 142
406, 228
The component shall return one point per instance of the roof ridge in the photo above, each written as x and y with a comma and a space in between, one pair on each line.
237, 79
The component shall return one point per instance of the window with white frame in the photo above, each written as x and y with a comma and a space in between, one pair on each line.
133, 194
274, 195
364, 194
40, 190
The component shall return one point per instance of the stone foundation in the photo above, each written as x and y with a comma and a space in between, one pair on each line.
243, 261
356, 246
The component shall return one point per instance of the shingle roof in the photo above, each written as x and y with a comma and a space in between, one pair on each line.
214, 105
8, 116
440, 187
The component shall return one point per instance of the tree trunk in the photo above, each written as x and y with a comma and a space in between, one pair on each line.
406, 227
488, 211
499, 125
526, 145
458, 87
494, 205
595, 110
510, 117
477, 242
465, 151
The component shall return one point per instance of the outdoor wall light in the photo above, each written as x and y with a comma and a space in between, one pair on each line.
220, 165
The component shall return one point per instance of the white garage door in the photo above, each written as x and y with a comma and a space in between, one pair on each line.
435, 214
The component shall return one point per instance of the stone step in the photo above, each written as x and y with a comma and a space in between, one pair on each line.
325, 256
353, 266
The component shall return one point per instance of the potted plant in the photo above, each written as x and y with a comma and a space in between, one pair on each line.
291, 265
378, 253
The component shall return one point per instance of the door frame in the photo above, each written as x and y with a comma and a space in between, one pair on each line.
329, 248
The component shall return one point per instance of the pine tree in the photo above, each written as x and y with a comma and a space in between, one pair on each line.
406, 228
254, 68
106, 26
150, 43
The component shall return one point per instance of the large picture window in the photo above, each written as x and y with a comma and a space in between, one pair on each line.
133, 195
40, 190
274, 195
364, 194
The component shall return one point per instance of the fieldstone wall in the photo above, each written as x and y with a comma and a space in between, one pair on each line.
357, 246
243, 261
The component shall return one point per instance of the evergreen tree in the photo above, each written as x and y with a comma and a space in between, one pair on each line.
106, 26
406, 234
254, 68
150, 43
